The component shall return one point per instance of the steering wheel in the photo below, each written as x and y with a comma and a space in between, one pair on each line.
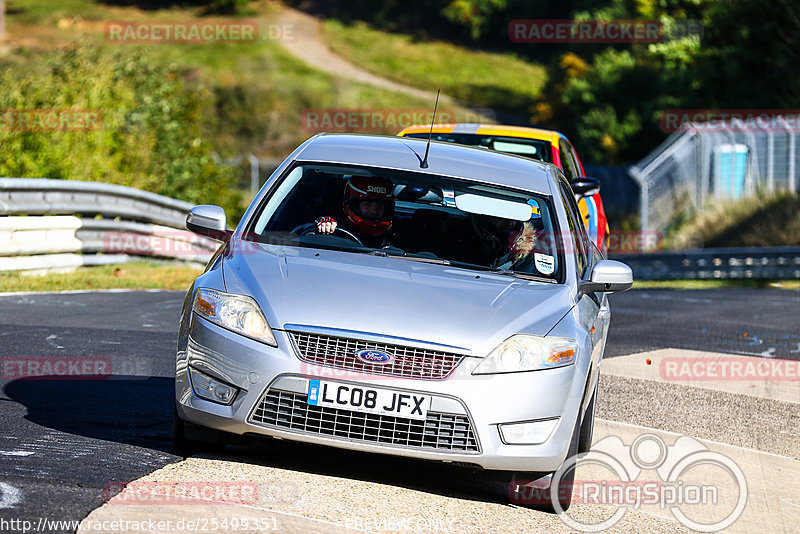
313, 230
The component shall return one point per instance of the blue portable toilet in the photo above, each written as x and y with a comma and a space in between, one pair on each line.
730, 170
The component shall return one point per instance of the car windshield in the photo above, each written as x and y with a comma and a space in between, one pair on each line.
413, 216
537, 149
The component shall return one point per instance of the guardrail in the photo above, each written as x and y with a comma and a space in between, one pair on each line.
42, 196
762, 263
62, 224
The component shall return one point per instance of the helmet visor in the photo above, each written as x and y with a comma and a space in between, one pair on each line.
371, 209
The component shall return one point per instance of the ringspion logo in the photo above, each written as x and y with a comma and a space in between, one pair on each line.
703, 489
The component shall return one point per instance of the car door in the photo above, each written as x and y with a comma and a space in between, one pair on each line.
592, 307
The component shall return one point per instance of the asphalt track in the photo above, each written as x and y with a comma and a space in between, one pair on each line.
65, 441
755, 322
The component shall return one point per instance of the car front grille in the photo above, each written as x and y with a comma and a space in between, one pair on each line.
408, 362
439, 431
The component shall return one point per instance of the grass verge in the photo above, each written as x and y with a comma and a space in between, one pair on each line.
134, 275
717, 284
482, 79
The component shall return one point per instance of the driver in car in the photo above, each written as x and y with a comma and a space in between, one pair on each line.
490, 241
368, 207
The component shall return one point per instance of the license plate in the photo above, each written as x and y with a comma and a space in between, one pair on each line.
368, 399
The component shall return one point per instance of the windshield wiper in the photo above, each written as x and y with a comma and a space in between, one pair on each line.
386, 251
423, 259
522, 275
395, 252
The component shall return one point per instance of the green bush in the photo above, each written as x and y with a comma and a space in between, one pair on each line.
150, 136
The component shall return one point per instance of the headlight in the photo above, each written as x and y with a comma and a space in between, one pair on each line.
238, 313
528, 353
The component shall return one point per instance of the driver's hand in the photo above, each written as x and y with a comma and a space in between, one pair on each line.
326, 225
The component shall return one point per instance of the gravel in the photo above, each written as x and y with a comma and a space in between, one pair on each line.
755, 423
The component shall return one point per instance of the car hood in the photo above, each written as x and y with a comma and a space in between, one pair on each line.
389, 296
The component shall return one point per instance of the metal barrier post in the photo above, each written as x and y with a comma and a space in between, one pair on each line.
253, 174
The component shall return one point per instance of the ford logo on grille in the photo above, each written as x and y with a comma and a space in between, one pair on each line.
375, 357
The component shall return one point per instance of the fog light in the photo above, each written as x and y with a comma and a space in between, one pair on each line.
531, 433
209, 388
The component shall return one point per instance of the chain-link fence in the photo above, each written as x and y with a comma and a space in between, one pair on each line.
702, 163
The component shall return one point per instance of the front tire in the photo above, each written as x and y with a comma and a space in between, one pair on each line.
587, 426
188, 437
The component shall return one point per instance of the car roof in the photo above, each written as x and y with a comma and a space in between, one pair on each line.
485, 129
444, 159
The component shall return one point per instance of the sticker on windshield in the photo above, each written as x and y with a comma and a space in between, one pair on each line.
537, 214
545, 263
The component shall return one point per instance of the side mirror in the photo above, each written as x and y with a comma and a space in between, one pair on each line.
607, 276
208, 220
585, 186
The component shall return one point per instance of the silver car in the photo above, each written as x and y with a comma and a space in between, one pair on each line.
463, 321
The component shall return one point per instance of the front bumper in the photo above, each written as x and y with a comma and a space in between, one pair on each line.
462, 402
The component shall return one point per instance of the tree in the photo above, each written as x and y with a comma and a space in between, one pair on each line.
2, 18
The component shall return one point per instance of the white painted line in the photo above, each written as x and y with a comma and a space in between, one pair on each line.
9, 496
16, 453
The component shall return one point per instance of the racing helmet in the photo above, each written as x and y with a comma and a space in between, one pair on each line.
374, 189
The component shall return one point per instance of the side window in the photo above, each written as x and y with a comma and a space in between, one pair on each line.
566, 160
580, 241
